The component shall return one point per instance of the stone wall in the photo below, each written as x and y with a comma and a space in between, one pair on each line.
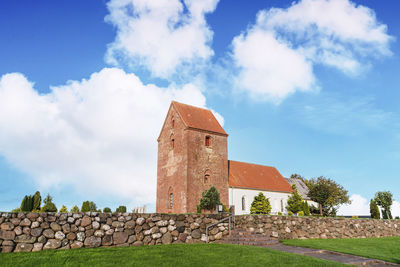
40, 231
290, 227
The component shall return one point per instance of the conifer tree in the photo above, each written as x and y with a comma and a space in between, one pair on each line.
26, 204
88, 206
306, 209
121, 209
106, 209
48, 206
260, 205
374, 210
63, 209
210, 199
37, 201
295, 201
75, 209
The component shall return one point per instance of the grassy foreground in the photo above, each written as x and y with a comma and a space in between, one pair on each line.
163, 255
385, 248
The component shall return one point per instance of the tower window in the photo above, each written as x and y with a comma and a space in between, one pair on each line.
172, 143
208, 140
171, 200
173, 123
243, 203
206, 178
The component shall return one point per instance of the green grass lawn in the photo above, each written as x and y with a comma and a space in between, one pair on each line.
163, 255
385, 248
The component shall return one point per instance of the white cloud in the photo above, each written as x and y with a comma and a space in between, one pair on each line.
360, 206
276, 55
96, 135
160, 35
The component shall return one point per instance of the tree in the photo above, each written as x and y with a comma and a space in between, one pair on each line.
49, 206
328, 194
27, 204
75, 209
37, 201
210, 199
374, 210
260, 205
63, 209
306, 209
295, 201
121, 209
384, 200
106, 209
88, 206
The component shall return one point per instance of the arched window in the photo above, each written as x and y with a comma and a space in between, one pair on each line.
208, 140
171, 200
243, 203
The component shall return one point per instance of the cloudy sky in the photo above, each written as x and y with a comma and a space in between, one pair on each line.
310, 87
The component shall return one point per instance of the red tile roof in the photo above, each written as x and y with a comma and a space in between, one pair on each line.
253, 176
198, 118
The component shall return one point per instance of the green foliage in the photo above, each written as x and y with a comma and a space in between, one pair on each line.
121, 209
16, 210
397, 218
295, 201
88, 206
384, 200
63, 209
290, 213
106, 209
328, 194
198, 209
354, 217
48, 206
279, 213
306, 209
374, 210
210, 199
75, 209
37, 201
27, 204
260, 205
300, 213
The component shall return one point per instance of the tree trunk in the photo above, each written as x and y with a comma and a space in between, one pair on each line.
320, 209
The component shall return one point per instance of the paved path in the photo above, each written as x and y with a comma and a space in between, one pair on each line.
333, 256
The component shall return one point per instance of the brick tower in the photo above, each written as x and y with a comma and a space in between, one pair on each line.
192, 157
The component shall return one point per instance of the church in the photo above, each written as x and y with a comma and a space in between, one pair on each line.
193, 156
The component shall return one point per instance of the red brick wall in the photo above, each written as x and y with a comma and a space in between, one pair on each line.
212, 160
172, 166
181, 170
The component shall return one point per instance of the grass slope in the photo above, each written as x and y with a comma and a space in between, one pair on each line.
385, 248
163, 255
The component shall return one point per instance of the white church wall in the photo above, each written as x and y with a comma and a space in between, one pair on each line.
278, 200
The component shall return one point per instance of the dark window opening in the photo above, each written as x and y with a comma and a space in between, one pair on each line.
173, 123
243, 203
208, 140
171, 200
206, 178
172, 143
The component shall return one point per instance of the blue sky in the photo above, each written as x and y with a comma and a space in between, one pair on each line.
315, 95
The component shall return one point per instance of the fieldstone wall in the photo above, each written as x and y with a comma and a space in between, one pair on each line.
290, 227
41, 231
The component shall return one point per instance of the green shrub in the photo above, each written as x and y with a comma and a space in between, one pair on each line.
106, 209
88, 206
121, 209
75, 209
295, 201
290, 213
16, 210
279, 213
260, 205
374, 210
210, 199
354, 217
37, 201
306, 209
300, 213
49, 206
63, 209
397, 218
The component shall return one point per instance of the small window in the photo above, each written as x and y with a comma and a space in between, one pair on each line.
173, 123
172, 143
206, 178
171, 200
208, 140
243, 203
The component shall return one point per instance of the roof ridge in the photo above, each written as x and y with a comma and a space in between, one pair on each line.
254, 164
